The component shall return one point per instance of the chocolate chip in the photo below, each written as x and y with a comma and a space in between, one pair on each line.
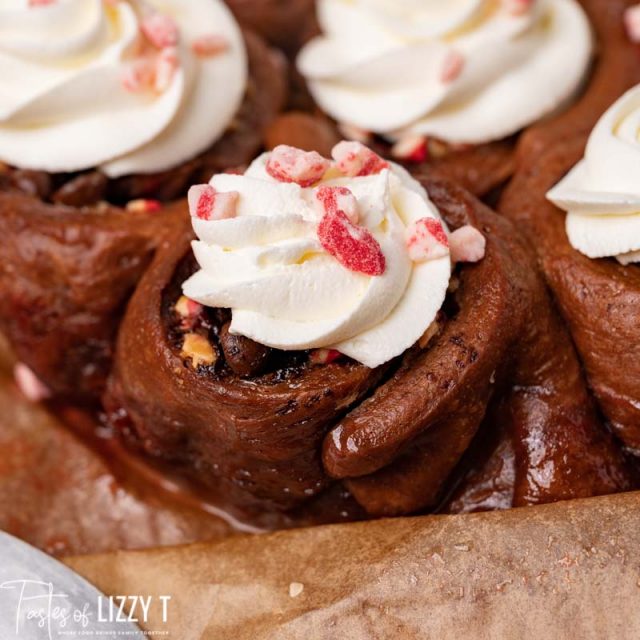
244, 356
33, 183
83, 190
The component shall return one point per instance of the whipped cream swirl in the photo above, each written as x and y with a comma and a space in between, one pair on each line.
65, 104
602, 192
463, 71
267, 265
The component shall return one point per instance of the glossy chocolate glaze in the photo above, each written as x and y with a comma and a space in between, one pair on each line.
393, 436
599, 299
69, 261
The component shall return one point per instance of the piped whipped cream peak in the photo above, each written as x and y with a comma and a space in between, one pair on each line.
462, 71
601, 194
129, 86
347, 255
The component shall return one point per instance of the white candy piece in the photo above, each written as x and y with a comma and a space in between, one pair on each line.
29, 384
426, 240
467, 244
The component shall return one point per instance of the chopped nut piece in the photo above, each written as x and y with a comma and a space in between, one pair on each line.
199, 350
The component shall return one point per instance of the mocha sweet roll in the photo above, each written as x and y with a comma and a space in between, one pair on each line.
336, 321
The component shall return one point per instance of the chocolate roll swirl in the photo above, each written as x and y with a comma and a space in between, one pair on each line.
598, 297
394, 435
73, 246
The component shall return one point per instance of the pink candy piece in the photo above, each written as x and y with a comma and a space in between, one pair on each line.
354, 159
467, 244
288, 164
352, 246
139, 76
189, 310
206, 203
41, 3
142, 205
412, 148
166, 66
427, 240
517, 7
632, 23
452, 67
324, 356
160, 30
353, 133
334, 199
209, 45
29, 384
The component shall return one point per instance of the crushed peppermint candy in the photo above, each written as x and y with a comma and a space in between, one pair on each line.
354, 159
167, 64
324, 356
632, 22
354, 133
354, 247
29, 384
427, 240
205, 203
333, 199
451, 67
41, 3
139, 75
288, 164
411, 148
209, 45
517, 7
142, 205
160, 30
467, 244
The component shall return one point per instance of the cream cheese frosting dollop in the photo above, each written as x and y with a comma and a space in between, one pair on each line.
286, 291
601, 194
463, 71
64, 105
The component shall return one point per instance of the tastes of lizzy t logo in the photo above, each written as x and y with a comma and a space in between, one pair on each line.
37, 610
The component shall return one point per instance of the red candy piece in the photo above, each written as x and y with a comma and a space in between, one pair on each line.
160, 30
334, 199
288, 164
354, 159
206, 203
143, 205
467, 244
411, 149
427, 240
352, 246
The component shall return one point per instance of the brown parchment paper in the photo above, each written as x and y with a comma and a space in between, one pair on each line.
570, 570
59, 494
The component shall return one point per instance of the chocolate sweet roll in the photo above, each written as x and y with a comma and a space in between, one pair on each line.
91, 151
285, 23
590, 255
329, 327
446, 88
